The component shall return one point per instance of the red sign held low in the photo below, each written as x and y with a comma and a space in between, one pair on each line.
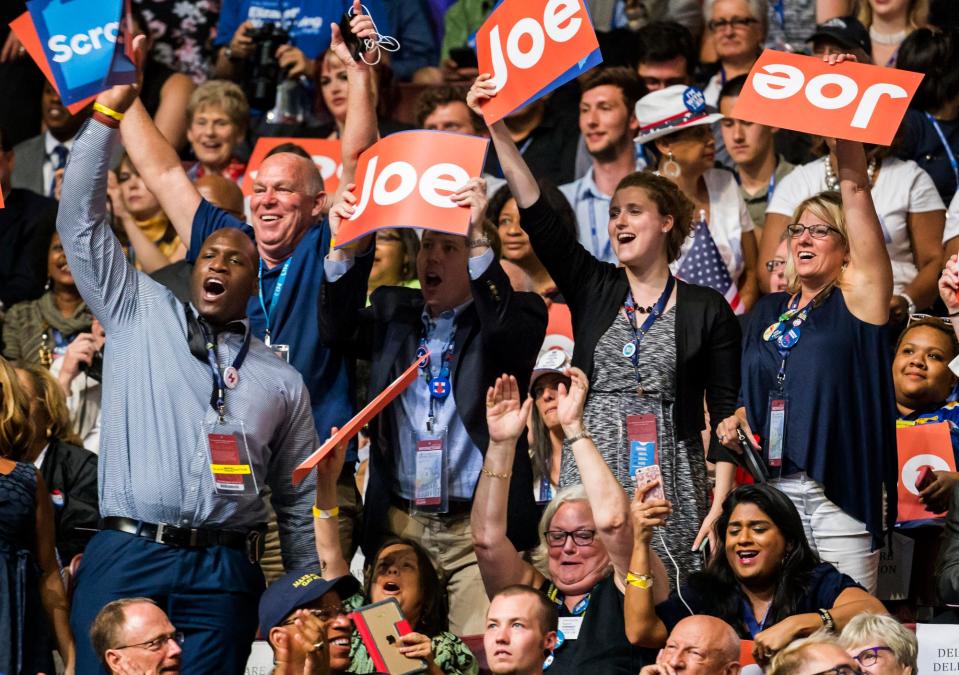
406, 179
849, 100
325, 154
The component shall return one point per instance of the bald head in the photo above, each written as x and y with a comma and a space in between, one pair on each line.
303, 170
702, 645
222, 193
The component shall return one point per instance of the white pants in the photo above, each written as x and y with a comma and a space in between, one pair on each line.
836, 536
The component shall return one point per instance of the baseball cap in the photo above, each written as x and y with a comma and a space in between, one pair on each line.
846, 31
298, 588
550, 361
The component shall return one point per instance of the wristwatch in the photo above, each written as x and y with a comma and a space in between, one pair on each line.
228, 53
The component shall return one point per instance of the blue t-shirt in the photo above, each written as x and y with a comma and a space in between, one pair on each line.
308, 21
824, 585
294, 320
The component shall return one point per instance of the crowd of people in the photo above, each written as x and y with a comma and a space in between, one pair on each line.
660, 382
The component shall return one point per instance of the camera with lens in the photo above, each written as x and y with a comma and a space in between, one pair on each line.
94, 369
265, 72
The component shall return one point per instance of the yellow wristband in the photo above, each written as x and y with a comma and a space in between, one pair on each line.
323, 514
109, 112
643, 581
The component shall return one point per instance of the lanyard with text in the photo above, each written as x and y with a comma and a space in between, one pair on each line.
945, 144
557, 597
276, 295
440, 385
631, 348
229, 376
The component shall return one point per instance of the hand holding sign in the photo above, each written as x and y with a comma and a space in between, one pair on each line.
827, 97
121, 96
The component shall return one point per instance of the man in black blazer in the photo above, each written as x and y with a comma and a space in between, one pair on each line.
471, 320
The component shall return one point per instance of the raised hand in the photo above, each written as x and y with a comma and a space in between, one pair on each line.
473, 195
483, 89
343, 209
647, 514
361, 25
505, 416
121, 96
949, 284
570, 401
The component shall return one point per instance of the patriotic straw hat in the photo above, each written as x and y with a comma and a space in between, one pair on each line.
672, 109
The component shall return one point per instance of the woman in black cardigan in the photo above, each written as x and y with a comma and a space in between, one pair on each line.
652, 345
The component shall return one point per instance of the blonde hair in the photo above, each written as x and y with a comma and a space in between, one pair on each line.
868, 628
57, 423
570, 493
789, 660
16, 432
917, 17
827, 206
222, 94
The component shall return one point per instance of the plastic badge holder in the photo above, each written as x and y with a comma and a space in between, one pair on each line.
380, 626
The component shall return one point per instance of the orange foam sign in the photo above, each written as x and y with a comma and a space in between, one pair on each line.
526, 45
921, 445
353, 427
26, 32
406, 179
853, 101
325, 154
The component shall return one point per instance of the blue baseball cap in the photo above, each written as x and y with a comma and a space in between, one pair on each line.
296, 589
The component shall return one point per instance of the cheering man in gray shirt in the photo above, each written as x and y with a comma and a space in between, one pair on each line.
198, 419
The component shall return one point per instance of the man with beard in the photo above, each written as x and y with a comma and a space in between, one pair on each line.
608, 125
39, 158
198, 417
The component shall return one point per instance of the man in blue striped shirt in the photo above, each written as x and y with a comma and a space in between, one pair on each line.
198, 419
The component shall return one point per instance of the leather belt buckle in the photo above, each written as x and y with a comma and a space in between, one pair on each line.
173, 536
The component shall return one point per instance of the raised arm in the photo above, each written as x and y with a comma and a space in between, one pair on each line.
643, 627
159, 165
500, 563
606, 496
326, 529
171, 114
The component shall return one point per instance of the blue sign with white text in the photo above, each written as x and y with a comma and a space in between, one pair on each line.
81, 39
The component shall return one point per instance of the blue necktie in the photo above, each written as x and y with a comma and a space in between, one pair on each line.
58, 158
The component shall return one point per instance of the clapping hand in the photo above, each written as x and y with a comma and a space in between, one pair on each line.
505, 416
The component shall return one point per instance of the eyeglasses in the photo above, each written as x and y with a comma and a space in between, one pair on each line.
736, 23
158, 643
870, 655
795, 230
915, 318
323, 613
841, 670
557, 538
774, 264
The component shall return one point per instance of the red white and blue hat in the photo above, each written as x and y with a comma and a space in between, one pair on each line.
672, 109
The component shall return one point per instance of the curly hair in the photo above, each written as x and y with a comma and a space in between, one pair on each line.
670, 201
55, 416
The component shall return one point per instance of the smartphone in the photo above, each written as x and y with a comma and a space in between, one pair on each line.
646, 475
750, 457
925, 478
464, 57
380, 626
704, 551
353, 43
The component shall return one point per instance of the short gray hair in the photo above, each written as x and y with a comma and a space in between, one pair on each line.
759, 9
871, 628
570, 493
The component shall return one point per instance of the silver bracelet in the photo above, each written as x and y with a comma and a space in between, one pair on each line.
580, 436
476, 243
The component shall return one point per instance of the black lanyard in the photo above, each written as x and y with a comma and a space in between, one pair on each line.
220, 383
631, 349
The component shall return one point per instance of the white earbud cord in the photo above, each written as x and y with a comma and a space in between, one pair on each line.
378, 41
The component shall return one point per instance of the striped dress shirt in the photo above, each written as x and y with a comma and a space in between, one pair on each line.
156, 395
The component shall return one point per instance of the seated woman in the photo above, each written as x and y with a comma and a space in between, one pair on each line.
69, 471
881, 645
400, 569
585, 532
764, 579
40, 331
154, 242
217, 118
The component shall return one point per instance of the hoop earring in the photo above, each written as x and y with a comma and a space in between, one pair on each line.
671, 168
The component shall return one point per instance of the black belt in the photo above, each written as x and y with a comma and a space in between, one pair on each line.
456, 508
190, 537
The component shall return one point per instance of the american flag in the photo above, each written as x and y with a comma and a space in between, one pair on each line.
704, 266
